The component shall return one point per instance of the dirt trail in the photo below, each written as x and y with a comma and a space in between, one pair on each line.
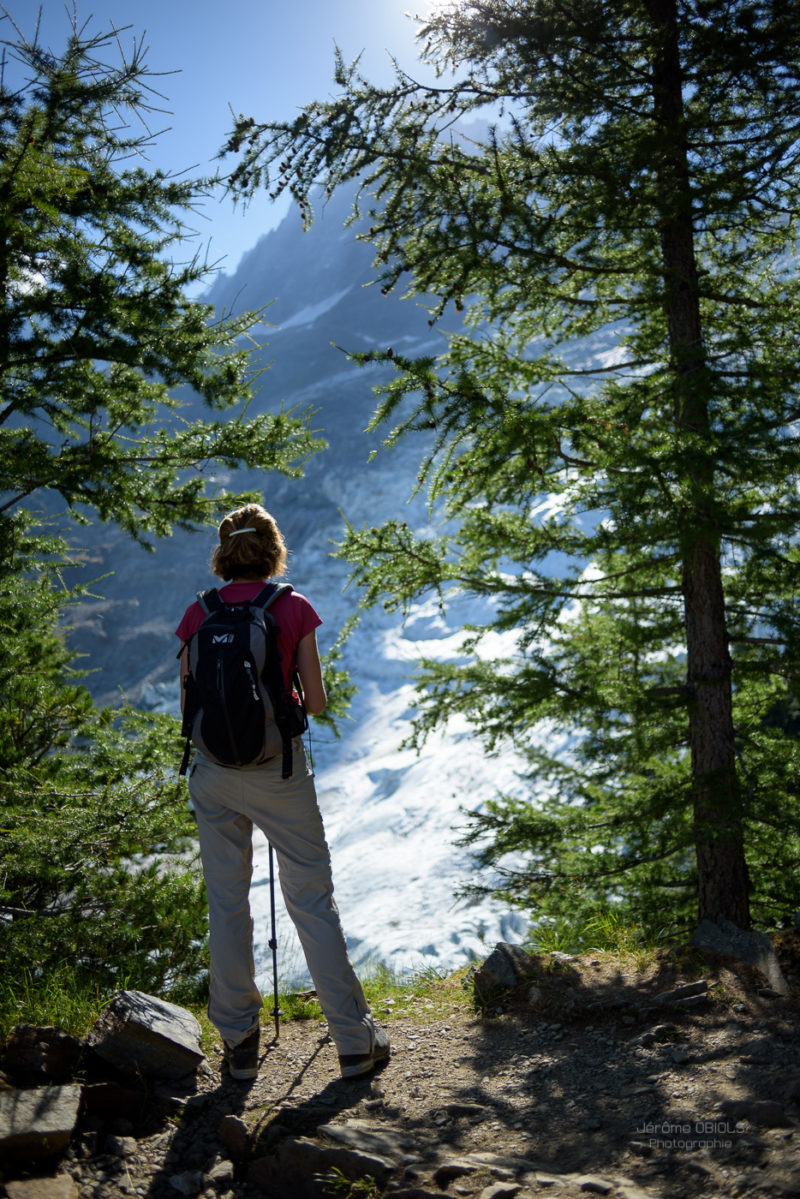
583, 1082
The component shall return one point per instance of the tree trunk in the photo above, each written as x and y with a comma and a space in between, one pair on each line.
717, 804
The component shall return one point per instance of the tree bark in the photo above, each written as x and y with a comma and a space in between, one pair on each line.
716, 795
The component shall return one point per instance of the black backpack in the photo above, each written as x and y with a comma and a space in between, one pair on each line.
237, 709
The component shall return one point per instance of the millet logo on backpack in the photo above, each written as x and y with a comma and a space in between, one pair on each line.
221, 638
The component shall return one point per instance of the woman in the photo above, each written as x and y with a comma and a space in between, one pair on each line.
228, 801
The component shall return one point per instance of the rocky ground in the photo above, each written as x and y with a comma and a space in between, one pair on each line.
598, 1075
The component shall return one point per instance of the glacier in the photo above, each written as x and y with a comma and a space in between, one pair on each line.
392, 816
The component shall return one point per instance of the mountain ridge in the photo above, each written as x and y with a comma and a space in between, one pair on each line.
390, 813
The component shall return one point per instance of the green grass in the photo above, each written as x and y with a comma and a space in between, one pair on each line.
59, 999
66, 1000
63, 999
428, 993
605, 932
347, 1188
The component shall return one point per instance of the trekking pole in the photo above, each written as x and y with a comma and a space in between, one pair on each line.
276, 1011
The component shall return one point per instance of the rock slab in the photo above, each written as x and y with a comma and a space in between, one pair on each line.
141, 1034
38, 1123
294, 1172
61, 1186
368, 1138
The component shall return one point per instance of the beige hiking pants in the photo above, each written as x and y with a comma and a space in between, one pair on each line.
228, 803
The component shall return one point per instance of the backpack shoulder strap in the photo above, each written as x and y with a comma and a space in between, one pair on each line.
272, 675
210, 601
268, 595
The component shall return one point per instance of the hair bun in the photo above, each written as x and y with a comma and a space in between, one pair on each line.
255, 558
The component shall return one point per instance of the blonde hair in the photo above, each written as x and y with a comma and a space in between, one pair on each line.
251, 545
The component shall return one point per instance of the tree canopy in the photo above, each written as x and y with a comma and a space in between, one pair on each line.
118, 393
614, 430
100, 343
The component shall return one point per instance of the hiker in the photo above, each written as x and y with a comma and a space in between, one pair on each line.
229, 800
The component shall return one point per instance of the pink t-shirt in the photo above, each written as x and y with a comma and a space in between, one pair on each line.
293, 614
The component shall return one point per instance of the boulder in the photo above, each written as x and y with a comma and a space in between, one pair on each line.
43, 1053
140, 1034
724, 937
505, 966
38, 1123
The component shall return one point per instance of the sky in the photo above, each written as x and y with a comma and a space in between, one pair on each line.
259, 57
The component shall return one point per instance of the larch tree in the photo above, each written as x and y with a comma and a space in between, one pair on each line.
97, 328
118, 392
613, 431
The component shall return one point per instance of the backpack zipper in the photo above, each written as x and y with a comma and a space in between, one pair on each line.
248, 665
224, 706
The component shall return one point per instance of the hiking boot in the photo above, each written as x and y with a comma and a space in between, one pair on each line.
353, 1064
242, 1059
